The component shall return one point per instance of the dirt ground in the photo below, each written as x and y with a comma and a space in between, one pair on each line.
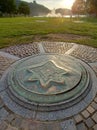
59, 37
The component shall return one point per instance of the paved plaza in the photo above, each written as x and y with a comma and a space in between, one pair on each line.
84, 116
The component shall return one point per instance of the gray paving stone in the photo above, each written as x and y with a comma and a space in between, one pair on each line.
94, 66
68, 125
7, 55
89, 122
82, 53
12, 128
44, 126
4, 64
17, 122
56, 47
94, 105
3, 114
94, 117
95, 127
45, 116
10, 117
37, 125
85, 114
54, 115
90, 109
24, 124
22, 50
81, 126
41, 48
3, 125
78, 118
17, 108
78, 107
95, 99
72, 49
1, 103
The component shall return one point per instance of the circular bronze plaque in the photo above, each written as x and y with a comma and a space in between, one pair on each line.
48, 80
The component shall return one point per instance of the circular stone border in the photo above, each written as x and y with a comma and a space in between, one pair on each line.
53, 115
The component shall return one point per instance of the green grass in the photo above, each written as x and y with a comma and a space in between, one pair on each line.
24, 29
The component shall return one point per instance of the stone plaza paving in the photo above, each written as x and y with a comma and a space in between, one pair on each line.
86, 119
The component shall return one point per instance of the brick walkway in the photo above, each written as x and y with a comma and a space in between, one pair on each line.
85, 120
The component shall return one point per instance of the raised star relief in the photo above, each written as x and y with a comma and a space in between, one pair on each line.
46, 73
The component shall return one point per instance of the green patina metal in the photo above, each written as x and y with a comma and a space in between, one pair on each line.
47, 79
47, 74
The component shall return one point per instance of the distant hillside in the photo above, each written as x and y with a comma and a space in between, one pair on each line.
37, 9
40, 10
63, 11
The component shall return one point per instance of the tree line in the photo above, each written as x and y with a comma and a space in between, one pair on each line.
10, 8
88, 7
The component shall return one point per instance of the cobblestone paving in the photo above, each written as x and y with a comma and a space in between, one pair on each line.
85, 120
88, 54
22, 50
4, 64
54, 47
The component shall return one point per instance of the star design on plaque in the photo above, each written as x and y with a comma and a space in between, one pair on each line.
47, 73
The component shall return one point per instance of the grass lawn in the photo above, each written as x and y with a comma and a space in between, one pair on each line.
28, 29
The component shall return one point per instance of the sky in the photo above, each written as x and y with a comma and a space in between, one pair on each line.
53, 4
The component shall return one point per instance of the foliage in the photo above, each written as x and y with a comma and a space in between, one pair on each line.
85, 6
7, 6
92, 6
78, 7
23, 8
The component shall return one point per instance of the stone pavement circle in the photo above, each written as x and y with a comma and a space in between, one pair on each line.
85, 120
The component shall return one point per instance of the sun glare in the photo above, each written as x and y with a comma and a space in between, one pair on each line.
68, 3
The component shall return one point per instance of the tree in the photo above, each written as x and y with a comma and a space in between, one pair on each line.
7, 6
92, 6
24, 8
78, 7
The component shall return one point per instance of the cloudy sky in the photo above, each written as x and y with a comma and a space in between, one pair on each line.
51, 4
